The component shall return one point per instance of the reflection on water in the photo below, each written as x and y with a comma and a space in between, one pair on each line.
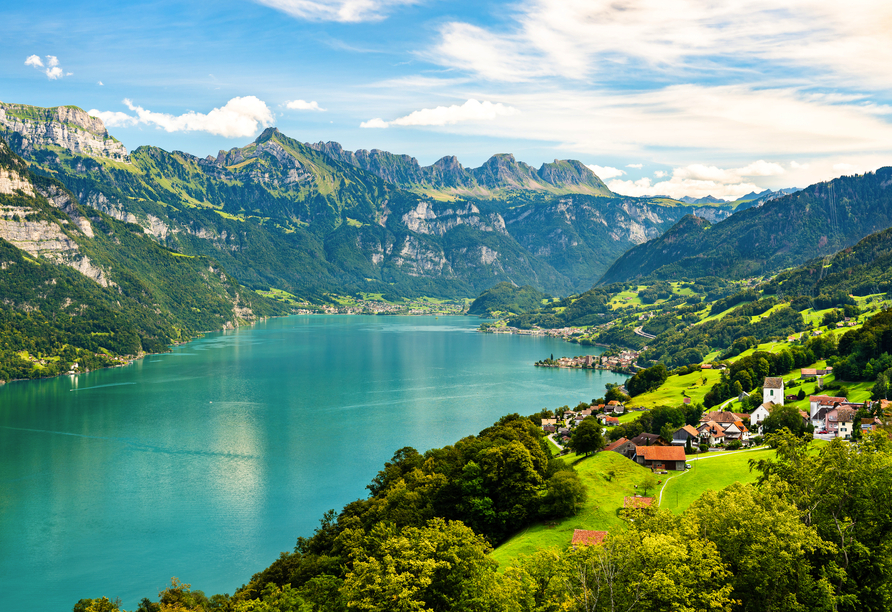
206, 462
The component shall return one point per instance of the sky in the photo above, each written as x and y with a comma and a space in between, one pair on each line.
659, 97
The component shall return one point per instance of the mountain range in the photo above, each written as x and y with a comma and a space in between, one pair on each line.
315, 219
813, 222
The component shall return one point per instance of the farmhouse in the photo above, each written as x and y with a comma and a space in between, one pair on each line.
661, 457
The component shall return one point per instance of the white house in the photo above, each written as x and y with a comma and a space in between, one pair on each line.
759, 414
773, 391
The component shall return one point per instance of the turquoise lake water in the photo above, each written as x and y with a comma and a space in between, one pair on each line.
206, 462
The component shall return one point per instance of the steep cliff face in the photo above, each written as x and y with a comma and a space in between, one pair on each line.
28, 128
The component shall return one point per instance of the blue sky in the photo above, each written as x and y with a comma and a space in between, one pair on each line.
659, 96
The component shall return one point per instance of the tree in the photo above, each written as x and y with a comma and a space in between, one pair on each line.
648, 482
784, 417
769, 552
442, 566
649, 569
564, 494
587, 437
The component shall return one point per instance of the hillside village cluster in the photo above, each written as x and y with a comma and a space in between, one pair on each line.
830, 416
623, 361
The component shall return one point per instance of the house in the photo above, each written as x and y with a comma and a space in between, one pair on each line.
549, 428
611, 422
815, 402
547, 422
623, 446
660, 457
737, 431
637, 502
564, 431
870, 424
773, 390
684, 434
616, 407
845, 418
760, 414
584, 537
808, 373
712, 433
705, 366
647, 439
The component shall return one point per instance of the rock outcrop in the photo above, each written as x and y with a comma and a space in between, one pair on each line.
27, 128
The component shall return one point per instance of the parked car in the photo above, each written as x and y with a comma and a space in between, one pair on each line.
687, 466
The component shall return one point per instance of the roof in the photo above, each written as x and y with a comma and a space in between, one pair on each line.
809, 371
584, 537
661, 453
613, 403
615, 445
825, 399
720, 417
773, 383
691, 431
612, 420
645, 439
845, 415
637, 502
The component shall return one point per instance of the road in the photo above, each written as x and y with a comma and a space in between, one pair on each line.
644, 334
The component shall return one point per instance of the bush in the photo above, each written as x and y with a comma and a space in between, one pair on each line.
733, 445
704, 448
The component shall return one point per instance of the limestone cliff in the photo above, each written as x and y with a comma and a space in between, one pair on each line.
28, 127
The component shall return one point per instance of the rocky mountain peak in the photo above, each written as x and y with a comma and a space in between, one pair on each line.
30, 127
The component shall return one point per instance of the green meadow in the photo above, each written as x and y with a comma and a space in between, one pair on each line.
601, 510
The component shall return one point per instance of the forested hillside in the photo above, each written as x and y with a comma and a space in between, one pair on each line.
81, 287
814, 222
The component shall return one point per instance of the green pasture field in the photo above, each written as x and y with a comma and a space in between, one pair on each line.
601, 511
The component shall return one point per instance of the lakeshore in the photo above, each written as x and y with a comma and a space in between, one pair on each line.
216, 443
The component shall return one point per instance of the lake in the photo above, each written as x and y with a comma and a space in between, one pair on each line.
206, 462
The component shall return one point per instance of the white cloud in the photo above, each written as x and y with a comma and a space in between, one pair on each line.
846, 168
100, 83
239, 117
470, 111
605, 172
698, 180
374, 123
114, 118
797, 166
303, 105
576, 39
636, 166
337, 10
53, 70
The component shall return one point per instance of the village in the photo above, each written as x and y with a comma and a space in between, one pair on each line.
623, 361
828, 417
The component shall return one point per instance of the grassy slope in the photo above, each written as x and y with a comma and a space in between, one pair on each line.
605, 498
